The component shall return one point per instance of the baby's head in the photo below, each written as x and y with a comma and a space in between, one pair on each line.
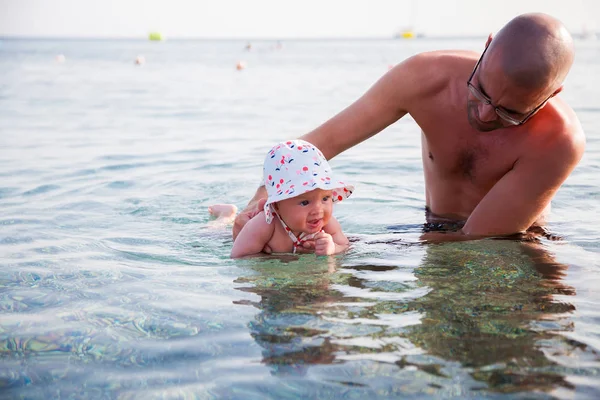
301, 186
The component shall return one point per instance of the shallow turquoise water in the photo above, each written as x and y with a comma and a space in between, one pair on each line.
114, 283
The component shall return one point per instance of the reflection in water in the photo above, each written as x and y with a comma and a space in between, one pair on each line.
486, 310
294, 291
491, 308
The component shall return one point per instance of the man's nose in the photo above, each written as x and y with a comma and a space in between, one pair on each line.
487, 112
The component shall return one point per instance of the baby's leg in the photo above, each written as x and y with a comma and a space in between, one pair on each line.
225, 213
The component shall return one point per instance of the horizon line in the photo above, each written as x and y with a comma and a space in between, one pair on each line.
249, 38
418, 36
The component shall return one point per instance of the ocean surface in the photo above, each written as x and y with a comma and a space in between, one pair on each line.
115, 283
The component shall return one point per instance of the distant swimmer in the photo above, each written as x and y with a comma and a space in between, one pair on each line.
60, 58
249, 46
240, 65
140, 60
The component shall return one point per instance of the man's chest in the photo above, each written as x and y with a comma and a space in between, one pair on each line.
479, 160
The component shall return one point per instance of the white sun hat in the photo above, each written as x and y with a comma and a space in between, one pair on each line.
295, 167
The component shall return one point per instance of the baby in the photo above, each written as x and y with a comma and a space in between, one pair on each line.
301, 191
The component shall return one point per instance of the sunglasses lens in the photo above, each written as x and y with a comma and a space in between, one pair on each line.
507, 117
478, 95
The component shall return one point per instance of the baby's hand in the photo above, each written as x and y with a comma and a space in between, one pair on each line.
324, 244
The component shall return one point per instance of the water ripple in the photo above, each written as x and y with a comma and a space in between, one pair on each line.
41, 189
115, 283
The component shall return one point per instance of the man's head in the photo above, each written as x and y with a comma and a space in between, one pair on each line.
523, 66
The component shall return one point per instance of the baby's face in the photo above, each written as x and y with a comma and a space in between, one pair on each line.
308, 212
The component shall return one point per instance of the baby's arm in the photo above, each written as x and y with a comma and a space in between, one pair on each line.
332, 240
253, 237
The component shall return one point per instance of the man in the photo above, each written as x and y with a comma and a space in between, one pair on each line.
496, 141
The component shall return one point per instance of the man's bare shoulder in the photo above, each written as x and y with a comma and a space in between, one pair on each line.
557, 134
564, 127
442, 61
435, 69
449, 55
569, 134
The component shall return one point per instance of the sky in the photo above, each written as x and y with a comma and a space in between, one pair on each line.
279, 19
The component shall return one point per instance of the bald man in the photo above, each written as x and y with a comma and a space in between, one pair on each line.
497, 143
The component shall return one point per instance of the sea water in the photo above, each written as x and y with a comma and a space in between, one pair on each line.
115, 283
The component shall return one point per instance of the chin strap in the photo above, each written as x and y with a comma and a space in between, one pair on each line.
298, 241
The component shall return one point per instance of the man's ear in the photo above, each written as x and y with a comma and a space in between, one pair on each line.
557, 91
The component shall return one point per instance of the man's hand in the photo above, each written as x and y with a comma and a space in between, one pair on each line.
324, 244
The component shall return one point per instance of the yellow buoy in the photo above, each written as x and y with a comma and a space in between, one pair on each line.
408, 34
157, 36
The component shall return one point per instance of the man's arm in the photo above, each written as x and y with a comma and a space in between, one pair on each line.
388, 100
519, 198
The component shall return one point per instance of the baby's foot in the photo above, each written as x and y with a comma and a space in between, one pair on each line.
224, 211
